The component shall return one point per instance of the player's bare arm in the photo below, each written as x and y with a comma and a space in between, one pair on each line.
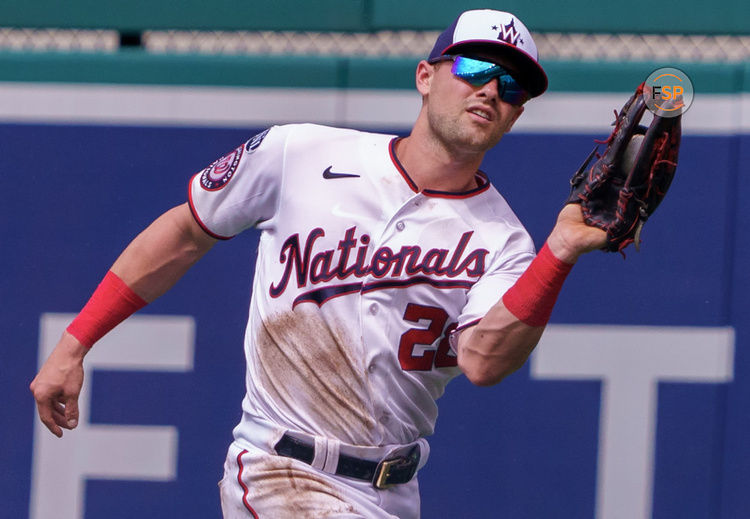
150, 265
158, 257
500, 343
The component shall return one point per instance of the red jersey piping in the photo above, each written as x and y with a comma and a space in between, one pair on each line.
198, 218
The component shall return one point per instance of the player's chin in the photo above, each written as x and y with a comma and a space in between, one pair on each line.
482, 139
470, 137
484, 133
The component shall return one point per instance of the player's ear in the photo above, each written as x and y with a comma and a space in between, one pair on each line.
424, 75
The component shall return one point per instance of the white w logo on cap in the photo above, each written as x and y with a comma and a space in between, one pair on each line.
510, 34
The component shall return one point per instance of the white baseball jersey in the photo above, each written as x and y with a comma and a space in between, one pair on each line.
359, 279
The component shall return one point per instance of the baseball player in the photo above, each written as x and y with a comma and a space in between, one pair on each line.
386, 267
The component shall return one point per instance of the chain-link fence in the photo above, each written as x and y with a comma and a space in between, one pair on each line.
608, 47
58, 40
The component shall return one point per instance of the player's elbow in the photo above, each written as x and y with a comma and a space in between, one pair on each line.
489, 366
486, 356
486, 372
484, 379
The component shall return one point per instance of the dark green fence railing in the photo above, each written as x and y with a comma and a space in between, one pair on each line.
634, 16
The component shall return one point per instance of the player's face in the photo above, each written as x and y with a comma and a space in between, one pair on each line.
463, 116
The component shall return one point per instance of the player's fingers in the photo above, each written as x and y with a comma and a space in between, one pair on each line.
71, 412
45, 405
58, 415
44, 408
58, 410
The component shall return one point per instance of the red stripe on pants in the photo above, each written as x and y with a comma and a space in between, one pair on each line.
244, 486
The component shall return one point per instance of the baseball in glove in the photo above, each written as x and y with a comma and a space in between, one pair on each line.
631, 177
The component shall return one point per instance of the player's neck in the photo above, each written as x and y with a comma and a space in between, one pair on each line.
431, 166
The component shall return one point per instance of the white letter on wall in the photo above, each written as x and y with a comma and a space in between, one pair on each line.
61, 466
630, 361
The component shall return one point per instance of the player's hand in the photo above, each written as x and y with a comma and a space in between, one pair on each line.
58, 384
571, 237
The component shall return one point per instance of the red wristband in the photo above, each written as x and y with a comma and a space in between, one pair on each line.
533, 296
111, 303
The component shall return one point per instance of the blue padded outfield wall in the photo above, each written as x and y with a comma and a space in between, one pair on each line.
635, 405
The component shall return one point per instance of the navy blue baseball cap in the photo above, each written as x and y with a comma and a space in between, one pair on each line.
499, 33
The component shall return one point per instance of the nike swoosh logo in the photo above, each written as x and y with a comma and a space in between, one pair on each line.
328, 174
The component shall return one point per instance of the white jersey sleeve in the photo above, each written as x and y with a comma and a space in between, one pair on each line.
510, 251
504, 268
492, 285
241, 189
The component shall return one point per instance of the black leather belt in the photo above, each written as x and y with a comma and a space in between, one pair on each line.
397, 469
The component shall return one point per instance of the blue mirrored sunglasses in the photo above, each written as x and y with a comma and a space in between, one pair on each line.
478, 73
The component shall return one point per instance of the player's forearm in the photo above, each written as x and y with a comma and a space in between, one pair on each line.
496, 346
502, 341
158, 257
148, 267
